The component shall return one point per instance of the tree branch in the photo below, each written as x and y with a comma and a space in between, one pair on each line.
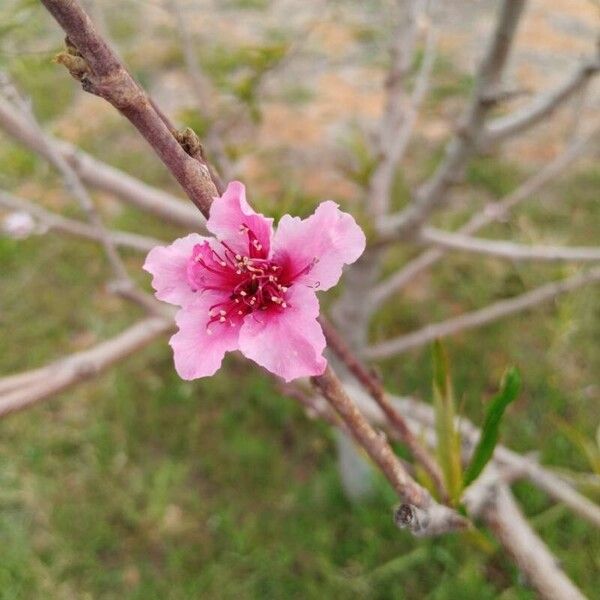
101, 175
394, 114
505, 249
489, 214
465, 143
57, 222
480, 317
337, 344
532, 556
419, 513
90, 60
73, 185
40, 384
558, 489
540, 107
201, 87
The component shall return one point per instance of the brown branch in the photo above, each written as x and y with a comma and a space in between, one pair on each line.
101, 175
90, 60
489, 214
542, 107
420, 513
72, 184
506, 249
532, 556
465, 143
422, 414
480, 317
78, 367
377, 392
62, 224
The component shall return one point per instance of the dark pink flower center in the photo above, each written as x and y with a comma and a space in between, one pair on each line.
251, 281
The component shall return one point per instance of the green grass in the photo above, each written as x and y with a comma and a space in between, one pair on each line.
142, 486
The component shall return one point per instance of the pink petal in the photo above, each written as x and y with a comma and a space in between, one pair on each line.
196, 352
328, 239
287, 342
168, 266
230, 213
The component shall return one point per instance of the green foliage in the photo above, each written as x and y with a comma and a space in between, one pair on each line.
490, 431
240, 70
448, 445
361, 162
498, 177
46, 86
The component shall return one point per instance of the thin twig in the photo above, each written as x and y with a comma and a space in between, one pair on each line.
541, 107
101, 175
53, 221
465, 143
72, 183
420, 512
78, 367
489, 214
90, 60
398, 135
402, 51
337, 344
482, 316
506, 249
201, 87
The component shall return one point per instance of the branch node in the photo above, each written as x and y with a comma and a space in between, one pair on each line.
75, 64
190, 142
408, 516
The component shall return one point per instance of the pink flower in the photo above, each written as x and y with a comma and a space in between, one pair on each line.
252, 289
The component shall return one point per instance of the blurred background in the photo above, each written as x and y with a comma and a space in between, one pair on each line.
140, 485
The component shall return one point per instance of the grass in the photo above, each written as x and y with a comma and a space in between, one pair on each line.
141, 486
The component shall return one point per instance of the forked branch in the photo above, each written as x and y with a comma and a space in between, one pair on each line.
492, 212
92, 61
480, 317
465, 143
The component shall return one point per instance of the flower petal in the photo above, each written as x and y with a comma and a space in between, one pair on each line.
287, 342
230, 214
168, 266
198, 353
317, 248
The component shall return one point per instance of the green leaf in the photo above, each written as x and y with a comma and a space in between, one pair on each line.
509, 389
448, 440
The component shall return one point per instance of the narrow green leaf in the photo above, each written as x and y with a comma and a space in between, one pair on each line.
448, 440
509, 389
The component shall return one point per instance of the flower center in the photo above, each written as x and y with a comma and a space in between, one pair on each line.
251, 281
